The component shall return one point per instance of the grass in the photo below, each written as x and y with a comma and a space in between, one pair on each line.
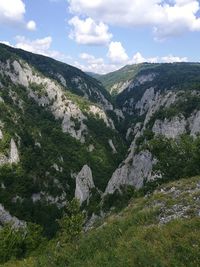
133, 237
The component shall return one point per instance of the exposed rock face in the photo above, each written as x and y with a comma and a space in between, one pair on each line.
170, 128
52, 96
119, 177
146, 101
84, 183
178, 125
5, 218
134, 173
145, 78
119, 113
119, 87
62, 79
194, 123
59, 201
3, 159
90, 91
91, 148
112, 146
1, 135
102, 115
14, 154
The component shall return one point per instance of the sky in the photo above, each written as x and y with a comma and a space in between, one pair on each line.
104, 35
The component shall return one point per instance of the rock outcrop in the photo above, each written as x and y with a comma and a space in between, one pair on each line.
6, 218
170, 128
14, 154
1, 135
84, 184
134, 173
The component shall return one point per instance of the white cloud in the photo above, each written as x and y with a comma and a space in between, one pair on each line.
117, 53
172, 59
31, 25
167, 17
88, 62
96, 65
5, 42
138, 58
12, 12
39, 46
88, 32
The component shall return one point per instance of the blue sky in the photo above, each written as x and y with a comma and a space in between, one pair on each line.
104, 35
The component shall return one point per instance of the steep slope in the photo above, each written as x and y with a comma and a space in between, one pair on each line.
115, 82
160, 229
47, 135
70, 77
162, 121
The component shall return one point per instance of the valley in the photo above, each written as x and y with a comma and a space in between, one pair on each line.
126, 145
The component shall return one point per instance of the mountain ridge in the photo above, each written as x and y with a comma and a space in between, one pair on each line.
63, 136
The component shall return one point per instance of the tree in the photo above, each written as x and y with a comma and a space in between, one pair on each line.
71, 223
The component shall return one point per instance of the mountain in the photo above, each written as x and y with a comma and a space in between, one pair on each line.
115, 82
162, 111
63, 136
48, 134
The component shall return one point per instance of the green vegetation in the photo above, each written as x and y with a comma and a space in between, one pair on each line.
176, 76
19, 243
122, 75
176, 158
134, 237
42, 144
185, 105
54, 69
159, 227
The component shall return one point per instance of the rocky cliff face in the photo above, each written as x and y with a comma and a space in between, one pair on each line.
6, 218
52, 96
161, 113
84, 184
57, 124
54, 120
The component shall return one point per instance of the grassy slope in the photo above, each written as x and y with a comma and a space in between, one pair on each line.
136, 236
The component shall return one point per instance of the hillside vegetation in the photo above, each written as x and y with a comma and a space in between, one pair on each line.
160, 229
90, 179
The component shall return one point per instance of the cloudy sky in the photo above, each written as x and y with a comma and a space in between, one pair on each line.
104, 35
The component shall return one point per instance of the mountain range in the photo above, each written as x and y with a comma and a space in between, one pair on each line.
103, 139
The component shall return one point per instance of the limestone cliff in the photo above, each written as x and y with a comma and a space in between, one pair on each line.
84, 184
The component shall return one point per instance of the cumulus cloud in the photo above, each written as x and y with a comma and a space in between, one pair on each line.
117, 53
166, 17
91, 63
94, 64
31, 25
138, 58
12, 12
172, 59
88, 32
39, 46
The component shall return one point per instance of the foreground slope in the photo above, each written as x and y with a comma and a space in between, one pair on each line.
160, 229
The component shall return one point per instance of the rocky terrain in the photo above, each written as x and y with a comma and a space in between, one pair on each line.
63, 136
58, 125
